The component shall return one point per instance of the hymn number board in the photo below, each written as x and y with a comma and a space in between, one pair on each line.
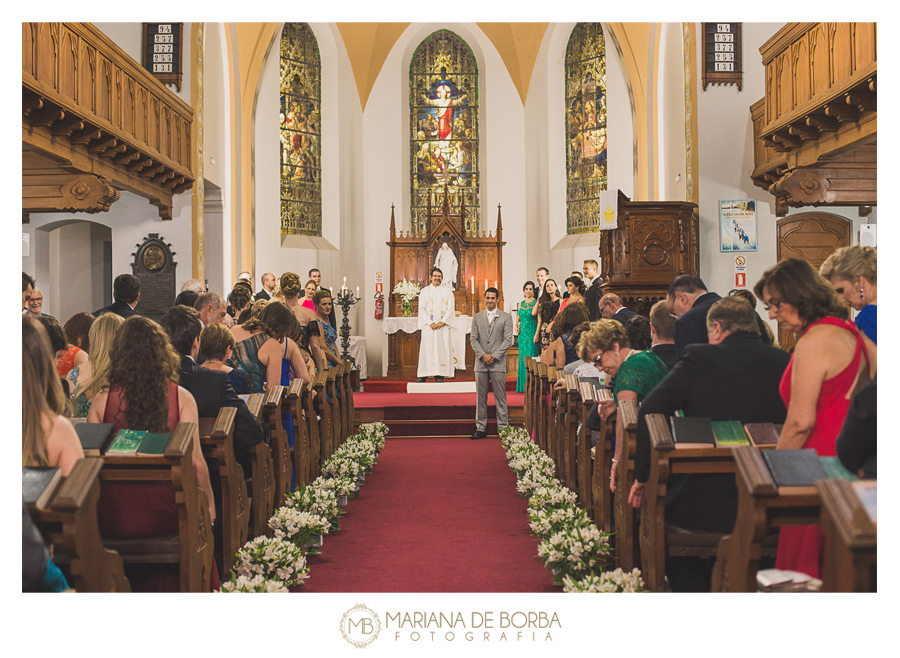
722, 54
162, 51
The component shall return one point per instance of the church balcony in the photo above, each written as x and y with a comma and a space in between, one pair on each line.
815, 130
94, 122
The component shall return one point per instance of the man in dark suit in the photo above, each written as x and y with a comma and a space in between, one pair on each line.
594, 289
690, 301
126, 293
492, 334
662, 333
611, 309
735, 377
268, 285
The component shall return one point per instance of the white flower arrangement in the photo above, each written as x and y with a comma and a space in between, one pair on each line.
298, 527
255, 585
574, 551
341, 486
553, 496
606, 582
550, 520
407, 290
272, 558
336, 466
533, 479
323, 502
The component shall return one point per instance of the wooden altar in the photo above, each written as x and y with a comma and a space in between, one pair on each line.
655, 242
480, 259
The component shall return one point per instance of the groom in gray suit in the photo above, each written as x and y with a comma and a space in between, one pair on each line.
492, 334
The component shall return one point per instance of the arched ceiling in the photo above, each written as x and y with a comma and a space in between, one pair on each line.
368, 45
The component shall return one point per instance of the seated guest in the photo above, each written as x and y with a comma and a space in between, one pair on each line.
36, 303
828, 364
636, 372
579, 368
562, 351
77, 329
126, 293
662, 333
186, 298
27, 289
218, 344
67, 356
611, 308
853, 271
734, 377
765, 331
143, 395
194, 285
637, 328
239, 299
211, 308
39, 573
87, 380
48, 439
689, 301
324, 308
857, 444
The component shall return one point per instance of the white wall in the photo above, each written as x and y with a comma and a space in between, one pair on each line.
726, 161
671, 118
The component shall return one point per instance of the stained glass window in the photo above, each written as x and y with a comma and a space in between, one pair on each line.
443, 112
585, 127
300, 124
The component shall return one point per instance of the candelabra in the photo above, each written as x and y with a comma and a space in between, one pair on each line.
345, 299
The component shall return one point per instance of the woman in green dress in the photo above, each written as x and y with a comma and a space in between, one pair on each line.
637, 372
527, 326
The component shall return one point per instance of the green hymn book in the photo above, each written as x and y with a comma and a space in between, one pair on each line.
729, 433
136, 442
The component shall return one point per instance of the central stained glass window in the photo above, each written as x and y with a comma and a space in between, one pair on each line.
586, 173
443, 112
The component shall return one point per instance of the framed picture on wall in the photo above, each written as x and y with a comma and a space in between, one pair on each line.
737, 225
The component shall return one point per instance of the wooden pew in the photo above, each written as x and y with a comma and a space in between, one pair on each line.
262, 483
558, 403
850, 550
762, 506
540, 408
335, 404
217, 442
601, 464
529, 403
192, 548
278, 441
351, 375
346, 426
312, 430
569, 432
627, 549
69, 525
326, 431
292, 400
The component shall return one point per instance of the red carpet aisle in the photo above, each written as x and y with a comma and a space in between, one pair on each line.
436, 515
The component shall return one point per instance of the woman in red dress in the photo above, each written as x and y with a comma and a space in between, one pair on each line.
828, 366
143, 394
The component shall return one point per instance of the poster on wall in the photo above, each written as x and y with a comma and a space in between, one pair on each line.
737, 225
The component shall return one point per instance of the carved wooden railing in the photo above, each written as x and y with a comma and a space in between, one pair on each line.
91, 108
820, 100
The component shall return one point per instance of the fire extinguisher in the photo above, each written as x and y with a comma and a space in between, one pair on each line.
379, 306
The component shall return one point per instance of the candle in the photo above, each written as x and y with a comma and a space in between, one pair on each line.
473, 285
495, 283
485, 284
357, 291
344, 287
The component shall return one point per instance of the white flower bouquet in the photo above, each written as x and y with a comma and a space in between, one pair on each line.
533, 479
255, 585
606, 582
298, 527
273, 558
323, 502
574, 551
341, 486
337, 466
550, 520
408, 291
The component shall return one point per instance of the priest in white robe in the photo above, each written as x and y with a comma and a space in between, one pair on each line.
436, 308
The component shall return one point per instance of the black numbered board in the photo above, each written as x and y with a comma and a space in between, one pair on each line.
722, 54
162, 51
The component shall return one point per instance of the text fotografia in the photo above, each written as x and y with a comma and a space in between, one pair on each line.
481, 626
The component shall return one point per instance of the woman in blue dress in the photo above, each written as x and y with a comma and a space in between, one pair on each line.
853, 271
324, 304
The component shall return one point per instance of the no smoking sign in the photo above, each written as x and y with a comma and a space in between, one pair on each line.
740, 272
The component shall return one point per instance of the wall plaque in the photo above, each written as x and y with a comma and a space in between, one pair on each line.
162, 51
155, 266
722, 54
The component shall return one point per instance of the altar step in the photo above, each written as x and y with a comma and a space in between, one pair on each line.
385, 385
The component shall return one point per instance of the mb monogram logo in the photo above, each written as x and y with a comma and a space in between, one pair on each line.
360, 626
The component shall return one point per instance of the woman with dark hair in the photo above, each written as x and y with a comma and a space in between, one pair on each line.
239, 299
306, 316
324, 304
827, 367
67, 356
77, 330
217, 343
48, 439
562, 351
575, 287
527, 325
637, 328
143, 394
545, 310
637, 372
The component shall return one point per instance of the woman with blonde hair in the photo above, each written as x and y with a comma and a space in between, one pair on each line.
217, 344
637, 372
853, 271
88, 380
48, 439
309, 338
